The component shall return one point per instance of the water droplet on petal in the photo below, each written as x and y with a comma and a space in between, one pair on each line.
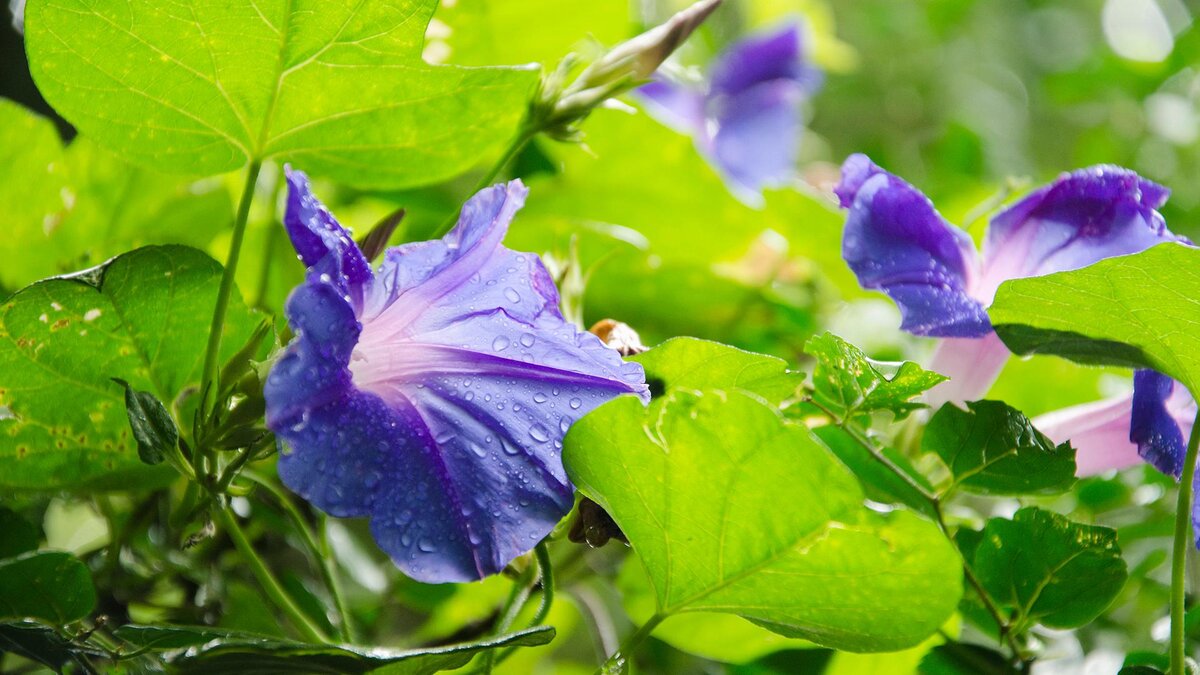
500, 343
539, 433
426, 546
539, 398
512, 294
527, 339
575, 403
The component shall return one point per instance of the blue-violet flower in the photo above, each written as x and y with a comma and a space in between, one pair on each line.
746, 118
432, 394
896, 241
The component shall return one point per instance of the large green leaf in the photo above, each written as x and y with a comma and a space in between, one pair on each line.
144, 318
993, 448
42, 644
19, 535
200, 649
732, 509
1138, 311
1050, 570
52, 586
338, 88
690, 363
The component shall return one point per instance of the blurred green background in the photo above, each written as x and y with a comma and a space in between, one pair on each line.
972, 101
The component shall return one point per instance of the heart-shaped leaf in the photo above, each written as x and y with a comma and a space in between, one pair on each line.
689, 363
732, 509
338, 88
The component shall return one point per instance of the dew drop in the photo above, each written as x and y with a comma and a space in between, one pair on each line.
512, 294
479, 452
405, 540
575, 403
470, 396
539, 398
500, 343
527, 339
539, 433
426, 546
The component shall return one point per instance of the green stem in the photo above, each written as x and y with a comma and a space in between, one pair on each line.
335, 587
274, 230
617, 662
1183, 527
319, 553
212, 352
547, 574
517, 145
269, 583
935, 503
517, 598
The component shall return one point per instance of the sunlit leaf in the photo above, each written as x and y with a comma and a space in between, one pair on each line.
993, 448
690, 363
847, 383
1138, 311
732, 509
203, 88
1048, 569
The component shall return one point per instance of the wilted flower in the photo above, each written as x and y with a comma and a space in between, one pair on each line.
897, 242
433, 393
746, 117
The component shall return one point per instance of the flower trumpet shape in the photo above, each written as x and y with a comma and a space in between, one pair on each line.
895, 241
746, 118
432, 394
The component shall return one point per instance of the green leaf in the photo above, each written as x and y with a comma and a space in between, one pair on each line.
879, 483
732, 509
964, 659
53, 587
200, 649
994, 449
1048, 569
152, 426
690, 363
142, 317
720, 637
338, 88
1131, 311
40, 643
17, 535
847, 383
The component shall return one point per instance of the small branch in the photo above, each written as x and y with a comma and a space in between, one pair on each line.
935, 503
270, 585
1183, 526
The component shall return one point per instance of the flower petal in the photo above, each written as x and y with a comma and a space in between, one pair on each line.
315, 233
774, 55
462, 383
896, 242
1082, 217
1099, 432
972, 364
1163, 413
674, 104
757, 135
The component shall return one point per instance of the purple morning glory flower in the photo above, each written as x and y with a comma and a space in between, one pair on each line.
432, 394
746, 118
897, 242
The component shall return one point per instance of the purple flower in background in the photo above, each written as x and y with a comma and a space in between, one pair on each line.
746, 118
897, 242
433, 393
